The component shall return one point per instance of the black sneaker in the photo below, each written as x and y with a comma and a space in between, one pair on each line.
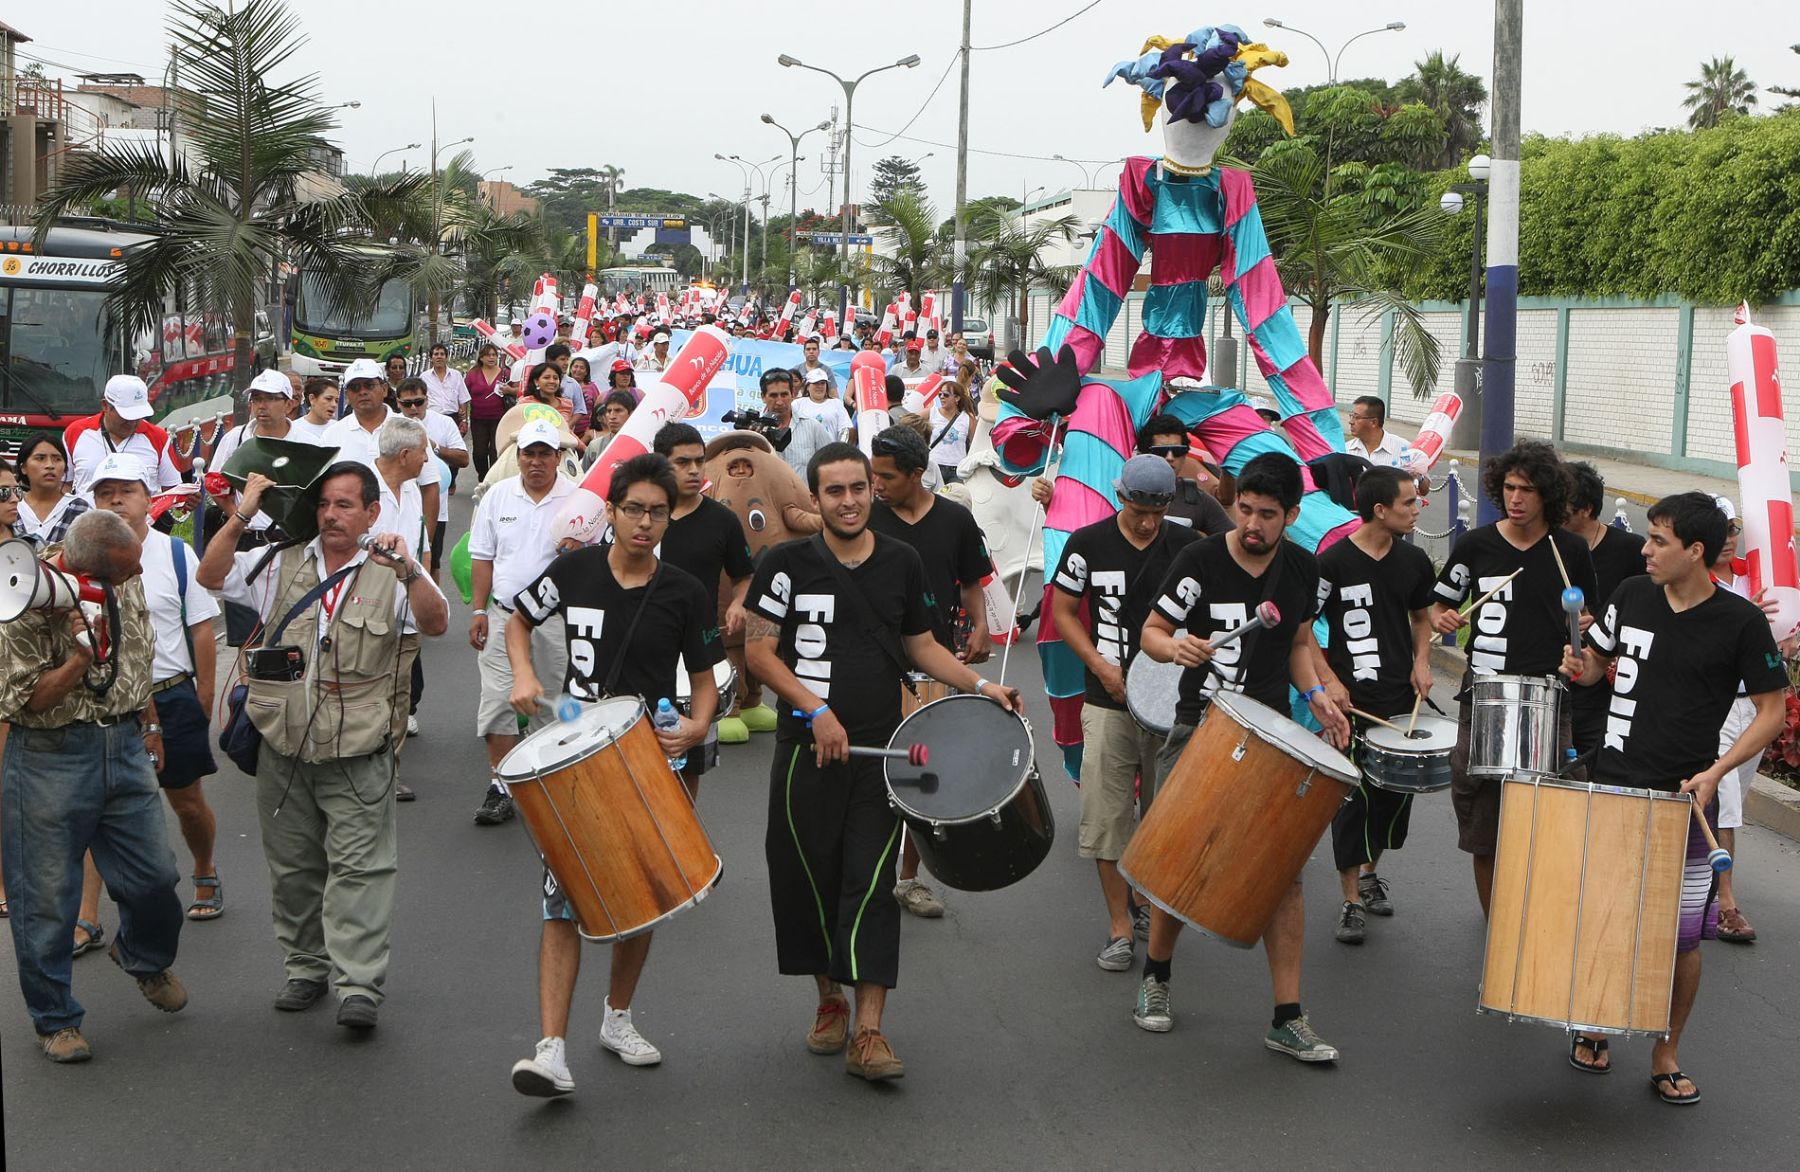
357, 1013
1140, 921
495, 809
1350, 924
1374, 892
299, 994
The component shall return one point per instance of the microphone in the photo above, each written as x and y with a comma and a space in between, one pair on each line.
1267, 615
367, 541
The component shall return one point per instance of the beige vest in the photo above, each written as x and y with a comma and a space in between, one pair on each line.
344, 705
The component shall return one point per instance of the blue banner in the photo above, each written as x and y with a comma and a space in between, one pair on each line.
738, 385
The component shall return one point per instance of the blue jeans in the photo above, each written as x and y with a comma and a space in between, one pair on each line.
68, 791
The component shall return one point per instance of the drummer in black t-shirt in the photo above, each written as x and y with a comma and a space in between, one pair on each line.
1213, 586
1681, 645
1112, 566
628, 619
706, 539
1618, 554
1518, 631
1378, 614
831, 836
955, 557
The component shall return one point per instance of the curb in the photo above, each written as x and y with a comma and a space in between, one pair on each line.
1773, 806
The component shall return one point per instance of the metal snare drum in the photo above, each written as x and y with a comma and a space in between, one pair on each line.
1152, 689
1514, 723
724, 679
1409, 763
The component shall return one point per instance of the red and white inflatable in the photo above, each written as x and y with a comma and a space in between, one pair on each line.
1766, 503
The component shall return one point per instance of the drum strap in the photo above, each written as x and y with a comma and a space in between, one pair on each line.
881, 632
612, 675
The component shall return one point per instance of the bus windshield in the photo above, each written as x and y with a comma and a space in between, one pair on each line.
57, 348
391, 317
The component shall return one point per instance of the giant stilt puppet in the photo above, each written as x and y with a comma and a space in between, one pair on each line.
1194, 217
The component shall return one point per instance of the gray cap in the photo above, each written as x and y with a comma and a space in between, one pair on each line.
1146, 480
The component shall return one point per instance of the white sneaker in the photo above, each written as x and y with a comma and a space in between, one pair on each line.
621, 1037
545, 1074
412, 726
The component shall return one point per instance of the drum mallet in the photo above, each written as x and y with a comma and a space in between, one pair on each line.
914, 755
1267, 615
1572, 602
565, 706
1718, 858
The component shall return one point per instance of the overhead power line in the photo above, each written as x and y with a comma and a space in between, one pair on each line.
1039, 33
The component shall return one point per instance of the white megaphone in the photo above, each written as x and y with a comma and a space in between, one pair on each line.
29, 584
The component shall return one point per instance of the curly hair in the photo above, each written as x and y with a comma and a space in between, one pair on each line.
1538, 462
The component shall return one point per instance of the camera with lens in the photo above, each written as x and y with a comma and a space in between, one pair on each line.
766, 426
277, 664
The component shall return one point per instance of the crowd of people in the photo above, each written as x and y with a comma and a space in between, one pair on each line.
1676, 683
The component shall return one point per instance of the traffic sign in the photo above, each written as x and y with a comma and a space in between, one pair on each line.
670, 222
837, 237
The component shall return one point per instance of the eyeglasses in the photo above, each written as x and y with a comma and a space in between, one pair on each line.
1168, 451
632, 511
11, 492
1732, 527
412, 402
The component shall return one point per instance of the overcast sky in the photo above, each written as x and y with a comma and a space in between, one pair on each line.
658, 89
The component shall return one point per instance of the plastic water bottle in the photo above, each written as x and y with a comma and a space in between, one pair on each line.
665, 717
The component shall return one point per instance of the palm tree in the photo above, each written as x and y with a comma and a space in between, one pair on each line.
919, 246
1331, 245
228, 205
1455, 97
1723, 89
1006, 259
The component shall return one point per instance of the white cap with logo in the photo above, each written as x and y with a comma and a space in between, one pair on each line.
362, 368
271, 382
127, 394
119, 466
539, 431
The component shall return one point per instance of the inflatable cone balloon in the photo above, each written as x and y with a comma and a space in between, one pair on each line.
1766, 506
868, 375
1428, 445
681, 392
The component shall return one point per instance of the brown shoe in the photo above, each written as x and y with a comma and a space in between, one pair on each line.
831, 1025
872, 1058
163, 990
65, 1045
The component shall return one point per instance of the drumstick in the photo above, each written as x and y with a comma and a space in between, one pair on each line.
1414, 722
1372, 719
1498, 586
1572, 602
1267, 615
1718, 858
1560, 568
918, 755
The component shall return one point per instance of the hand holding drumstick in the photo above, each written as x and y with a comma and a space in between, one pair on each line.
1448, 619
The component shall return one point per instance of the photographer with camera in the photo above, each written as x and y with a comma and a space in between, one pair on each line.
321, 693
80, 776
804, 436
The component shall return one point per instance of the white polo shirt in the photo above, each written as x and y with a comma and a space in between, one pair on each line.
403, 514
95, 444
163, 596
513, 531
442, 432
447, 395
1389, 453
355, 442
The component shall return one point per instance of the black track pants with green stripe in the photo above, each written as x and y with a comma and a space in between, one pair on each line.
831, 846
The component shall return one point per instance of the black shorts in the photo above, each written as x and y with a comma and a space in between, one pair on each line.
1372, 821
186, 736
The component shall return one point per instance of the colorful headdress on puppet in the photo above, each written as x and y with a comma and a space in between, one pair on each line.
1203, 76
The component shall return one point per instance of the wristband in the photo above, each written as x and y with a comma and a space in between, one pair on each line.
482, 613
1315, 690
814, 714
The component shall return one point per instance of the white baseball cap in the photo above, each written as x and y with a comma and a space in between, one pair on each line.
118, 466
817, 375
129, 396
661, 336
271, 382
362, 368
539, 431
1724, 503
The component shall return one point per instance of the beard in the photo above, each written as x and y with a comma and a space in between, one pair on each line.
831, 524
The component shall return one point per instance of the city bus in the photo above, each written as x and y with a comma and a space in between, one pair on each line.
59, 345
325, 341
648, 279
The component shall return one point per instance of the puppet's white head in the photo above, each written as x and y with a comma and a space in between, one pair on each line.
1196, 83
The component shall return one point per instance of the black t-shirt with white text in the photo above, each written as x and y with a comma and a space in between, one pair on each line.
1620, 555
1369, 614
706, 543
680, 622
1522, 629
823, 637
952, 549
1118, 580
1676, 675
1207, 592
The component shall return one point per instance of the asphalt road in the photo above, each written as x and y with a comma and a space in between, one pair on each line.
1020, 1052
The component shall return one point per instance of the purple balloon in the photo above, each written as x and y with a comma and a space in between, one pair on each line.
539, 331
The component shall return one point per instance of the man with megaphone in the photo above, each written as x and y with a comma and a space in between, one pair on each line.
76, 660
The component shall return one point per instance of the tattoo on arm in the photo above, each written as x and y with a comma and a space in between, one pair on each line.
758, 627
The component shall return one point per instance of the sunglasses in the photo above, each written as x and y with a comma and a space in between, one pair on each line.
1148, 500
412, 402
11, 492
1734, 528
1168, 451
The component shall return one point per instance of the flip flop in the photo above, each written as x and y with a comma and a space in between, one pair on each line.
96, 938
211, 908
1597, 1045
1664, 1086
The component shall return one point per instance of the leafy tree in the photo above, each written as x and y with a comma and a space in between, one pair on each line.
893, 175
1346, 123
230, 210
920, 245
1006, 261
1722, 89
1440, 85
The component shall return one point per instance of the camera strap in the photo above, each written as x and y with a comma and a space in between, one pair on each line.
881, 632
306, 600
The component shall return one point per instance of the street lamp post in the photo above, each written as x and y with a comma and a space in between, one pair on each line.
763, 182
487, 177
376, 165
793, 197
437, 213
1087, 177
1467, 432
1332, 61
849, 88
794, 185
